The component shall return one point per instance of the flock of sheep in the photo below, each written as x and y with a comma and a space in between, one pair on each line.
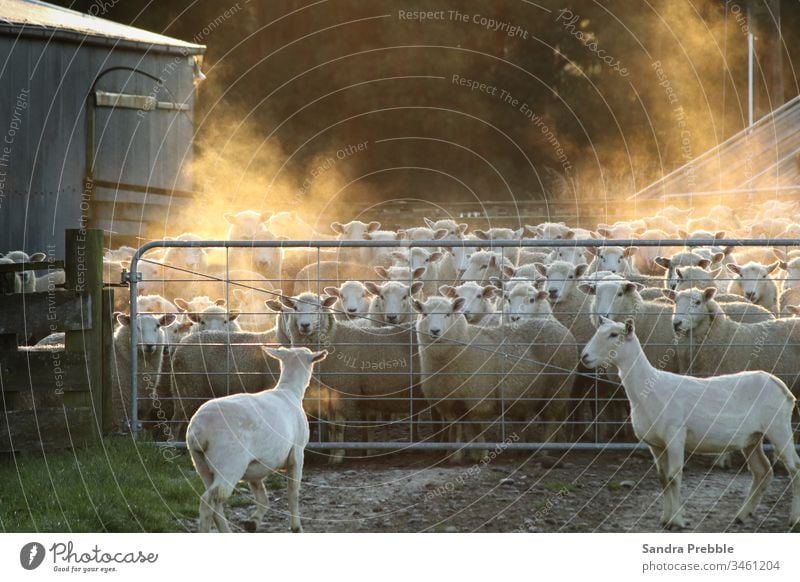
459, 336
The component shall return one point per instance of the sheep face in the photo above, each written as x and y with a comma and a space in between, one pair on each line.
392, 300
453, 230
305, 313
551, 231
683, 259
25, 281
483, 265
695, 278
245, 225
194, 259
215, 318
416, 233
476, 298
612, 297
574, 255
561, 279
614, 259
354, 230
754, 278
792, 269
150, 328
396, 273
461, 256
524, 301
437, 316
417, 257
354, 298
606, 342
691, 309
500, 234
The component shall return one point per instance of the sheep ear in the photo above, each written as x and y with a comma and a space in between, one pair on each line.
481, 234
371, 287
417, 305
373, 226
493, 260
542, 295
367, 236
276, 353
37, 257
440, 234
436, 256
569, 235
274, 305
592, 251
734, 268
683, 234
418, 273
123, 319
784, 265
429, 222
457, 305
447, 291
719, 235
333, 291
604, 232
541, 268
496, 282
337, 227
230, 217
580, 270
382, 273
704, 263
329, 301
220, 302
669, 294
630, 251
400, 256
518, 233
780, 254
709, 293
793, 309
195, 317
416, 287
587, 288
630, 287
167, 319
663, 262
603, 320
629, 327
488, 291
234, 314
287, 302
319, 356
509, 271
717, 257
773, 266
679, 273
463, 227
181, 304
402, 234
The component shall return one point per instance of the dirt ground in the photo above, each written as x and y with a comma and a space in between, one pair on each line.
513, 492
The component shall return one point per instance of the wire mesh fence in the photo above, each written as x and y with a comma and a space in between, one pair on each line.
428, 373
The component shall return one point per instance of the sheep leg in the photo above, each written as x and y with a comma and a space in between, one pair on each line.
336, 431
456, 436
211, 508
659, 456
760, 468
262, 504
674, 472
782, 439
294, 472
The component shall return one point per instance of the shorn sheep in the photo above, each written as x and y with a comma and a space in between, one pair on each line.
252, 436
755, 283
676, 414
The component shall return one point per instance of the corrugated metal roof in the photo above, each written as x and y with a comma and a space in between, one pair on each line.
763, 157
33, 16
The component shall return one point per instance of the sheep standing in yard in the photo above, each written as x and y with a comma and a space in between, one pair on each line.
468, 370
435, 273
755, 284
520, 300
483, 265
251, 436
353, 300
721, 345
617, 260
24, 281
391, 302
214, 318
676, 414
478, 306
790, 291
151, 352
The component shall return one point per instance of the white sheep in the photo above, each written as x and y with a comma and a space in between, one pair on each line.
486, 264
790, 290
246, 224
252, 436
435, 272
681, 259
501, 234
24, 281
478, 306
718, 344
676, 414
467, 370
391, 302
755, 284
353, 300
396, 273
520, 300
381, 255
214, 318
355, 230
149, 362
617, 260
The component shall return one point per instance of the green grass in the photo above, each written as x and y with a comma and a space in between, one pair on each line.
556, 486
112, 486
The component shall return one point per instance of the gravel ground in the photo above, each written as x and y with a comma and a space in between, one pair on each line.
513, 492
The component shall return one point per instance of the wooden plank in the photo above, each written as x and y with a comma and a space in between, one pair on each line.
50, 370
45, 429
40, 314
123, 197
37, 266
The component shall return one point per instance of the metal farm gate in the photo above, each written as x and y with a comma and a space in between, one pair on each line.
597, 407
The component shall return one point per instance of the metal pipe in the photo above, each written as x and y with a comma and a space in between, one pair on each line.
750, 80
